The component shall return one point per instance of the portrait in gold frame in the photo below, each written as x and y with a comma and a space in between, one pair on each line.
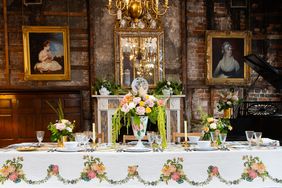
225, 57
46, 53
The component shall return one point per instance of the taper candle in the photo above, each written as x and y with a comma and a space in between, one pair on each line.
94, 132
185, 130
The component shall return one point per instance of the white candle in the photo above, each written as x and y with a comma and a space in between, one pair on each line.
93, 132
185, 130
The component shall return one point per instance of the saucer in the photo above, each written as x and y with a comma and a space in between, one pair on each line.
69, 150
205, 149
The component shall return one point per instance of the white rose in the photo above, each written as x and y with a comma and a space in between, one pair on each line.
69, 129
213, 125
131, 105
234, 98
229, 103
65, 121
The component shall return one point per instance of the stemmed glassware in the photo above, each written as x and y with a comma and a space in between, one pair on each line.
258, 137
214, 137
249, 136
40, 136
151, 137
222, 138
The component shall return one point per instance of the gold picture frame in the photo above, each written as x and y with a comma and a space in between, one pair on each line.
46, 52
225, 57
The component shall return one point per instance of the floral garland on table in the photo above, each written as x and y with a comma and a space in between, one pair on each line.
136, 106
172, 170
62, 127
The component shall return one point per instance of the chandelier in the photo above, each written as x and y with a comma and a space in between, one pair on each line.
136, 9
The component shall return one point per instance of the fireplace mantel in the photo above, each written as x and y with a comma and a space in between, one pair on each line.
105, 106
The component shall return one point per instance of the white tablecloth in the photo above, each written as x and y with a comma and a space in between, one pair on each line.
230, 165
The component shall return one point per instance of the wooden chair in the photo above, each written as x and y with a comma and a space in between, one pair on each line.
132, 138
176, 135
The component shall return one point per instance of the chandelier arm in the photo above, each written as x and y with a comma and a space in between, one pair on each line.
110, 13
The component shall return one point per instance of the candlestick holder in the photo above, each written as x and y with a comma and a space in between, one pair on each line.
185, 144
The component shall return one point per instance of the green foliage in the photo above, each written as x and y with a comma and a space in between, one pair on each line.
112, 87
174, 86
59, 109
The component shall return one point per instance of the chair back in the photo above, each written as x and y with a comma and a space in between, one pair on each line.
176, 135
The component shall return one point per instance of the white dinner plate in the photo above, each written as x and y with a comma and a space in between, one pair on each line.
24, 144
205, 149
137, 150
69, 150
135, 142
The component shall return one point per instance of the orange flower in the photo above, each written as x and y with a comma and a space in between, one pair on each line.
166, 171
206, 129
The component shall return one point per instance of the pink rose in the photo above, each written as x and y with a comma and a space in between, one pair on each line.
91, 174
175, 176
136, 100
160, 102
55, 169
140, 110
150, 103
60, 126
13, 176
252, 174
125, 108
214, 171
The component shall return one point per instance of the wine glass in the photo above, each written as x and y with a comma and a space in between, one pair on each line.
258, 137
222, 138
40, 136
151, 137
249, 135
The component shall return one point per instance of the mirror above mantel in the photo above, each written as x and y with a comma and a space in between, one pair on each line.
139, 53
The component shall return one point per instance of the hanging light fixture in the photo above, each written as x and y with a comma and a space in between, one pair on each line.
136, 9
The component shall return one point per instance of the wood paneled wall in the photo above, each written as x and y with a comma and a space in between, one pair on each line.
24, 113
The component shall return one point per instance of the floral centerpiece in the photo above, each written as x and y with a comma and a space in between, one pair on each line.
211, 124
228, 100
133, 108
62, 127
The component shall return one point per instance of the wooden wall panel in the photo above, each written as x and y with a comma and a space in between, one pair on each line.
24, 113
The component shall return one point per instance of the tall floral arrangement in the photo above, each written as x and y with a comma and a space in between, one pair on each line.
62, 127
138, 105
228, 99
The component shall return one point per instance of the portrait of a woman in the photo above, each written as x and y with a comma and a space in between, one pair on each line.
228, 66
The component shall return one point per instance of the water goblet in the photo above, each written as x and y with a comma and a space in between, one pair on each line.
40, 136
158, 140
151, 137
214, 137
79, 137
222, 138
258, 137
249, 136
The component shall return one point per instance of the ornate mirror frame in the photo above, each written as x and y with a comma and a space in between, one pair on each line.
139, 52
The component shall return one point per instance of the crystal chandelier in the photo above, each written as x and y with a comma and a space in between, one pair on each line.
136, 9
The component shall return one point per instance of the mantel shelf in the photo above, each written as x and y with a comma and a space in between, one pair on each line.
121, 96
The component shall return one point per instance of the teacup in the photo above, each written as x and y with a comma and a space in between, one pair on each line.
204, 144
70, 145
194, 139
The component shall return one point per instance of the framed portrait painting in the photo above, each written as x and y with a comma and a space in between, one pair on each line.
225, 57
46, 53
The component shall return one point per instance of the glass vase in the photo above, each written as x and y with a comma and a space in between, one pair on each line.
227, 113
61, 141
139, 131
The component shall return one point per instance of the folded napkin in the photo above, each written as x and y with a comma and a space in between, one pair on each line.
269, 142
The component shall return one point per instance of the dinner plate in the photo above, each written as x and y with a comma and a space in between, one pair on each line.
69, 150
137, 150
135, 142
205, 149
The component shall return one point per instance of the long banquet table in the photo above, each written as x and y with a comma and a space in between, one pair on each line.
244, 168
